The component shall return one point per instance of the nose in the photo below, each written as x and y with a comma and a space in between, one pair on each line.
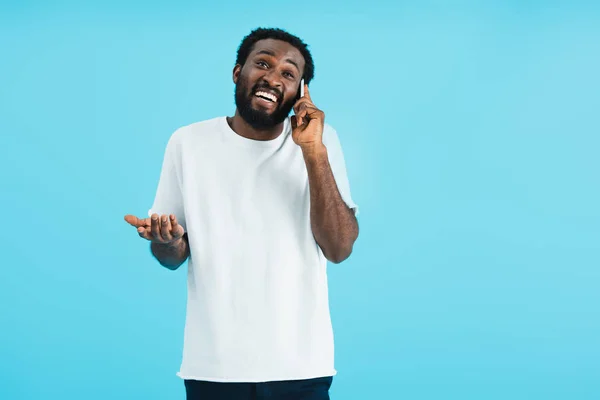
272, 78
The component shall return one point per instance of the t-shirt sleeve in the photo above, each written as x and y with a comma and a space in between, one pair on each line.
169, 193
338, 166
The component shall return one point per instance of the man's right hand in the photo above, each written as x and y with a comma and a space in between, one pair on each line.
162, 229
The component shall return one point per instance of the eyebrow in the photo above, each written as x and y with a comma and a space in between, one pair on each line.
272, 54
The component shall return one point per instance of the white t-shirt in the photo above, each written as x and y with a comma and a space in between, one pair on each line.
257, 304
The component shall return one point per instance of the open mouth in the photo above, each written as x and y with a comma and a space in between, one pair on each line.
269, 97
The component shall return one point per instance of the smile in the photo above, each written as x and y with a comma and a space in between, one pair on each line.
267, 96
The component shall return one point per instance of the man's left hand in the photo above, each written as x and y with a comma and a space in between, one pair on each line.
307, 123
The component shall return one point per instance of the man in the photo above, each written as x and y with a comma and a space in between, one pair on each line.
257, 203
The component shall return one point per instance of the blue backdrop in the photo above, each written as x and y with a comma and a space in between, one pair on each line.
471, 131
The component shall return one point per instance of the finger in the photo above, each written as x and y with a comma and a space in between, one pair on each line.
165, 228
306, 92
300, 117
294, 122
307, 107
154, 227
309, 113
176, 229
174, 223
302, 103
314, 113
144, 233
135, 221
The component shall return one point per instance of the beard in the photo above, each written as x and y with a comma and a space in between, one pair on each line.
259, 119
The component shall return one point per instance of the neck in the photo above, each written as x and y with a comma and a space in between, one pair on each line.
242, 128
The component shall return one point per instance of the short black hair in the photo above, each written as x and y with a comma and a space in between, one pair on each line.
279, 34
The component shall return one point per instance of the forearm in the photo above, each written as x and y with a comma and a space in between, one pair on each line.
333, 223
171, 255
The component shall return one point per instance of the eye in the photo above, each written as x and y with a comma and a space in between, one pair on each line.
262, 64
288, 75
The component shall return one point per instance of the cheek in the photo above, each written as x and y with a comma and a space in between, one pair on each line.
294, 96
290, 99
246, 84
250, 76
291, 94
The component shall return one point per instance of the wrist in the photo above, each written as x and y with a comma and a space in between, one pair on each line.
311, 150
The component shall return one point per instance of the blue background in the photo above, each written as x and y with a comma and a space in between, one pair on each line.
471, 132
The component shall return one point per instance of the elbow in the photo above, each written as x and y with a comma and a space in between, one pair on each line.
337, 260
170, 264
343, 250
171, 267
337, 252
339, 255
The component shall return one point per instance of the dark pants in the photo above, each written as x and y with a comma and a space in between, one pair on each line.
305, 389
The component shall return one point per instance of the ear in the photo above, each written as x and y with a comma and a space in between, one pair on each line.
237, 70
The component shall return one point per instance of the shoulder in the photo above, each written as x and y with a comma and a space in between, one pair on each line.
196, 128
329, 130
330, 136
194, 131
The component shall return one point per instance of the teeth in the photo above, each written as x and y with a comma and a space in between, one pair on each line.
267, 95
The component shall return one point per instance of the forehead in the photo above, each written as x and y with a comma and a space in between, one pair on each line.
279, 49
